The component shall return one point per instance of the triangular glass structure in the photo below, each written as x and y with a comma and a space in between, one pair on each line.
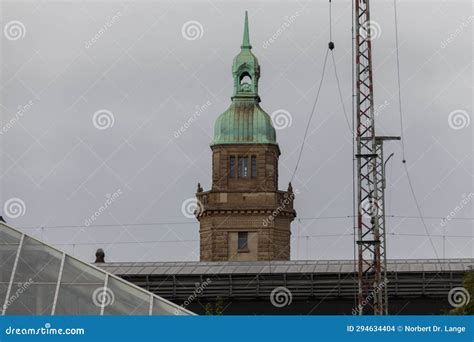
38, 279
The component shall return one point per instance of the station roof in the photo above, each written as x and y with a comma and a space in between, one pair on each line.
38, 279
275, 267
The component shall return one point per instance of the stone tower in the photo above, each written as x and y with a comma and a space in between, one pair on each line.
244, 216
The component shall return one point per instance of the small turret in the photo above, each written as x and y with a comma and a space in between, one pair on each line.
245, 69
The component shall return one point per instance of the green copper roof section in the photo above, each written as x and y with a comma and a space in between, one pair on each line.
245, 68
246, 40
244, 122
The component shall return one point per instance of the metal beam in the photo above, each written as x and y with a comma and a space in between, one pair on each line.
58, 284
106, 283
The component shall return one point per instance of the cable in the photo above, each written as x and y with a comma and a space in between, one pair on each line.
340, 94
196, 240
311, 116
330, 21
393, 216
402, 140
121, 242
110, 225
419, 210
325, 217
394, 234
130, 225
401, 131
433, 217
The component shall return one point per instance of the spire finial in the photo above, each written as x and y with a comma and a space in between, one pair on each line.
246, 40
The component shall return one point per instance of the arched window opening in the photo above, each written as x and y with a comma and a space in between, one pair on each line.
245, 82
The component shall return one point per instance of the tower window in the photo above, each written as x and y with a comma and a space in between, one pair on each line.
245, 82
254, 166
232, 166
243, 167
243, 241
245, 78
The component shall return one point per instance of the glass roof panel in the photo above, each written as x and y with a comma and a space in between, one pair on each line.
79, 289
9, 236
35, 279
9, 241
77, 272
35, 290
7, 259
162, 308
122, 299
38, 262
34, 299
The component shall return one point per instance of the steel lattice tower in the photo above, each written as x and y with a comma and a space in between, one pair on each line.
370, 216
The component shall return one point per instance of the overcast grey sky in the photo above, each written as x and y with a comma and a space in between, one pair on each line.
137, 66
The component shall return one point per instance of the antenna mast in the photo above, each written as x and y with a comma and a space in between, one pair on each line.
370, 173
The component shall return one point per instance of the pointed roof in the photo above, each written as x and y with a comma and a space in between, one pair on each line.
245, 58
55, 283
246, 39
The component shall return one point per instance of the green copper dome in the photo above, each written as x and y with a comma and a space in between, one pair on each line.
244, 122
